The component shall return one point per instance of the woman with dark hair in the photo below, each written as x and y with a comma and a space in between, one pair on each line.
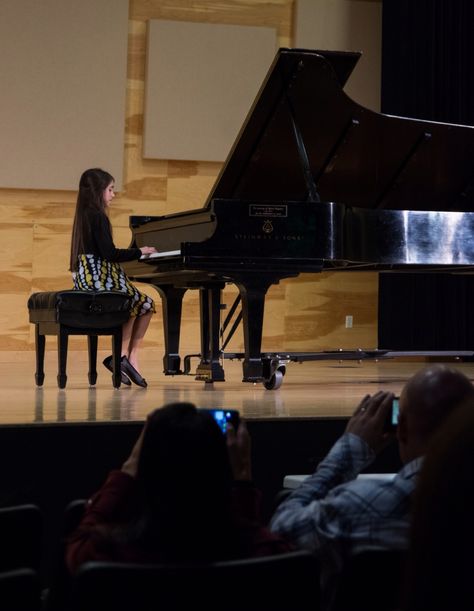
442, 537
95, 263
183, 495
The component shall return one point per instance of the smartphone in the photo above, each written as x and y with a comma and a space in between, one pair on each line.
224, 416
393, 414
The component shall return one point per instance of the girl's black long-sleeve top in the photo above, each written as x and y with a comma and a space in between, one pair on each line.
99, 242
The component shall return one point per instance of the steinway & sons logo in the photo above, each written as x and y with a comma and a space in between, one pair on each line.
268, 212
267, 227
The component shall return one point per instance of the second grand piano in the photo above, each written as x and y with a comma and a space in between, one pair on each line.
314, 181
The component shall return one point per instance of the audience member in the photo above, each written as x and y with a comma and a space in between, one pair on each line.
333, 513
442, 536
183, 495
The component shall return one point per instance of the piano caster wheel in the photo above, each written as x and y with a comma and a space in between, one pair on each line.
275, 381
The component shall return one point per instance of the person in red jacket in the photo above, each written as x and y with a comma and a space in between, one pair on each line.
184, 495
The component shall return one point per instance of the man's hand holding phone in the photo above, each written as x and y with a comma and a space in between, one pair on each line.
370, 420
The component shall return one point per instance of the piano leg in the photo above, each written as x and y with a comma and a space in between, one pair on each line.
172, 305
210, 368
253, 304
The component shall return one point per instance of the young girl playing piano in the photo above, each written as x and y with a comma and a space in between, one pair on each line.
95, 263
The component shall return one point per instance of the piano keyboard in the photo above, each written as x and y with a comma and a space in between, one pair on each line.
164, 253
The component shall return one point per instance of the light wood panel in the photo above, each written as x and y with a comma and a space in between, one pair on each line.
305, 313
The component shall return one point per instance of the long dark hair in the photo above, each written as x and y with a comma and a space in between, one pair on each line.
90, 199
184, 479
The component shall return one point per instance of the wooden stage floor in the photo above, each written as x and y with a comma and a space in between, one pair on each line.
309, 390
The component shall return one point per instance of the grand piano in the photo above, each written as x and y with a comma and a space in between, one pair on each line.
313, 182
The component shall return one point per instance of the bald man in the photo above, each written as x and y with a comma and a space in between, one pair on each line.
336, 515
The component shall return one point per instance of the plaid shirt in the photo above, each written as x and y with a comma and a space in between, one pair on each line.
336, 515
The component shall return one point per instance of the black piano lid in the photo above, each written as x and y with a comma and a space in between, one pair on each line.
304, 139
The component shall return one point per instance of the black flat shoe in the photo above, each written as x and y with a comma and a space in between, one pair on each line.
132, 373
107, 362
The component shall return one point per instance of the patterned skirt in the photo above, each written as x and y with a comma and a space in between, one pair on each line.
96, 274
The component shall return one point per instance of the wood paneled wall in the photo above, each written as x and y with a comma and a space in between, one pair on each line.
306, 313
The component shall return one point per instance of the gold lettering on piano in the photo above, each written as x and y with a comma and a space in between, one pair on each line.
273, 210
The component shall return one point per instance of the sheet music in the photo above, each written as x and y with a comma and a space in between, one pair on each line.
164, 253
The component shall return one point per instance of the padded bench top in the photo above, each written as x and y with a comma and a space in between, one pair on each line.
80, 308
44, 301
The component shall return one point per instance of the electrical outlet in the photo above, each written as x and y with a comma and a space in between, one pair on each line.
348, 322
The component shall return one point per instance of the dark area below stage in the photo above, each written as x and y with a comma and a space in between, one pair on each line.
52, 464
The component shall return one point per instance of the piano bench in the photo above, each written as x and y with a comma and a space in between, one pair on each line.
69, 312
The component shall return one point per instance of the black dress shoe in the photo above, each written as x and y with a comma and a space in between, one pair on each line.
107, 362
132, 373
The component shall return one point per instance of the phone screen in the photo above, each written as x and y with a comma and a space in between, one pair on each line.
391, 421
395, 411
224, 416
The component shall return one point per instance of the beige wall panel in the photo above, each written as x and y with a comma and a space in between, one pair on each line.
346, 25
63, 75
201, 80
